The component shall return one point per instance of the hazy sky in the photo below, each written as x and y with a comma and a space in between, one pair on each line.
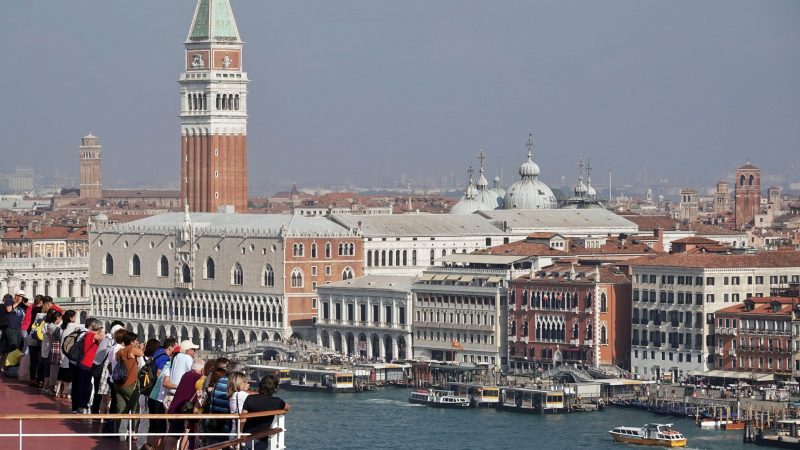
368, 90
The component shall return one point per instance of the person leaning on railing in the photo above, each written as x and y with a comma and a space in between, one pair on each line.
263, 401
182, 402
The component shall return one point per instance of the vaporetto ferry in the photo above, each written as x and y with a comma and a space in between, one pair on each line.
478, 394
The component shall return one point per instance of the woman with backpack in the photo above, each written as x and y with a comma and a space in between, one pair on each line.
52, 322
68, 325
126, 373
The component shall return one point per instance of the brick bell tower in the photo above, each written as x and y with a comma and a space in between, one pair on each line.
748, 194
214, 111
91, 174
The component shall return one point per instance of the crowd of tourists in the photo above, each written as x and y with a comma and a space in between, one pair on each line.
101, 371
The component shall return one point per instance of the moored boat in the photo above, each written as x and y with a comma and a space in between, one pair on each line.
659, 434
438, 398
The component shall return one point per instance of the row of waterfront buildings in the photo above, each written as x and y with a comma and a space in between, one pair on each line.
522, 290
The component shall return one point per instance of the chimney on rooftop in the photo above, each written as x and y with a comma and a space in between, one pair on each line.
658, 233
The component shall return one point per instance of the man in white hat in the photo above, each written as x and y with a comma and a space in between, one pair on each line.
181, 363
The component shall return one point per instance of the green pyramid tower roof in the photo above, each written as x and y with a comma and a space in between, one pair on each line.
213, 21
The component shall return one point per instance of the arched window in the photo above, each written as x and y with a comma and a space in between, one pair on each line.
313, 249
297, 278
108, 266
186, 274
300, 249
327, 249
237, 275
750, 181
347, 273
391, 257
352, 249
525, 329
218, 99
603, 302
163, 267
269, 276
236, 102
189, 101
210, 269
341, 251
513, 328
369, 258
588, 331
603, 338
741, 180
383, 258
136, 266
413, 257
397, 258
433, 256
575, 331
405, 257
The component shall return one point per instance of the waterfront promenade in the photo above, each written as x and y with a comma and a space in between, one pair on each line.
18, 398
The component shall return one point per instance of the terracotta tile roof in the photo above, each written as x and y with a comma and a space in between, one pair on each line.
543, 235
561, 273
650, 223
782, 258
612, 246
762, 306
695, 240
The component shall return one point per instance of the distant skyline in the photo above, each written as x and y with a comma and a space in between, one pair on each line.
364, 92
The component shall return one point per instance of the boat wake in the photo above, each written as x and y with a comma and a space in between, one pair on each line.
383, 401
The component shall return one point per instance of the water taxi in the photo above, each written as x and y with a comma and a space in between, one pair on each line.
438, 398
650, 434
478, 394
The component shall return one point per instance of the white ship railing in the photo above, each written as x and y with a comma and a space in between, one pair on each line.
276, 434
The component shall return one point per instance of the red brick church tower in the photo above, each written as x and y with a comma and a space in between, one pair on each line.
748, 194
214, 111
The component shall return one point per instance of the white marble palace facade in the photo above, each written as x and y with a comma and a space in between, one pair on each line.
217, 279
367, 316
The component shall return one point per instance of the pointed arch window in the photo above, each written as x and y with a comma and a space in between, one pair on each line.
297, 278
269, 276
603, 302
210, 269
136, 266
603, 337
108, 265
347, 273
163, 267
575, 331
186, 274
237, 275
327, 249
313, 249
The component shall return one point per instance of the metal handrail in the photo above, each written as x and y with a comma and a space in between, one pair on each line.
275, 444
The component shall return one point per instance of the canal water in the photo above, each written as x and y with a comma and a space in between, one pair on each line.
384, 419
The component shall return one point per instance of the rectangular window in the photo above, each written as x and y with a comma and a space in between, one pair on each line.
749, 280
759, 280
709, 298
401, 312
725, 281
313, 271
709, 281
735, 281
698, 281
328, 270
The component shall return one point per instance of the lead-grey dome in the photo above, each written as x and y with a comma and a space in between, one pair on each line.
529, 192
